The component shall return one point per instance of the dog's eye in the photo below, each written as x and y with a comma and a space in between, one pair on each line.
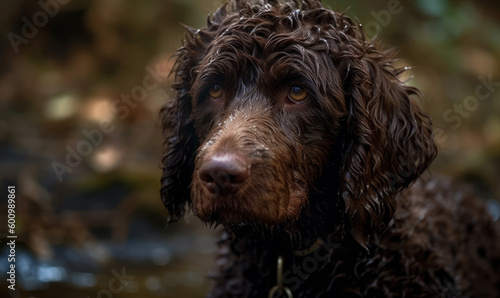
215, 91
297, 93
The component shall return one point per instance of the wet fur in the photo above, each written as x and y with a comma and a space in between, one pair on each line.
336, 166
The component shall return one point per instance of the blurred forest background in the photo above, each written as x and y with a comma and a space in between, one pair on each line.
85, 159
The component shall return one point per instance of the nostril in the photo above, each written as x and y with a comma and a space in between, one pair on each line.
224, 172
206, 174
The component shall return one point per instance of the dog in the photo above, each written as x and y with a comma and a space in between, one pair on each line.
292, 130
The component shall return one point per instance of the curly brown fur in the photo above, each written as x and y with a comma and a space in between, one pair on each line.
289, 127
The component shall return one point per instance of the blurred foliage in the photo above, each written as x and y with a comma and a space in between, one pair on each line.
61, 84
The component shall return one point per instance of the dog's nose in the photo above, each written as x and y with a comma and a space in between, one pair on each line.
224, 173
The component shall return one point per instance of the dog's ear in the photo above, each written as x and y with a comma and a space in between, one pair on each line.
389, 142
179, 138
179, 147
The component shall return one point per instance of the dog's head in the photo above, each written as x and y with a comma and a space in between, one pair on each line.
267, 94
